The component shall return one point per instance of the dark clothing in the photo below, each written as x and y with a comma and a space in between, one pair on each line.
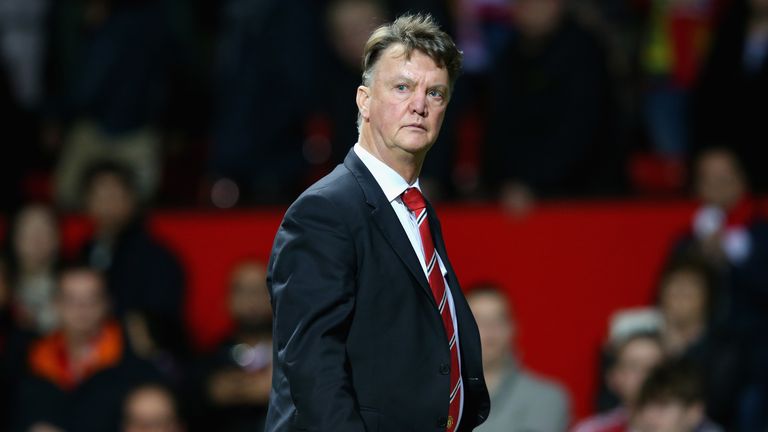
94, 405
142, 274
263, 75
359, 343
207, 416
731, 99
734, 352
117, 70
548, 120
146, 277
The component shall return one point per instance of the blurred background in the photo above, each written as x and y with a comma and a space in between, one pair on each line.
612, 151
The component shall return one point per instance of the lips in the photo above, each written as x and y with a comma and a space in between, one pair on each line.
417, 126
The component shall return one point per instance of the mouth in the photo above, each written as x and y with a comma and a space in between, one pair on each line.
416, 126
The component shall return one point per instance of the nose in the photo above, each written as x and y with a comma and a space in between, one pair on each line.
419, 104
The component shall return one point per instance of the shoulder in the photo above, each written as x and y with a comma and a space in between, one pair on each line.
543, 388
337, 193
606, 422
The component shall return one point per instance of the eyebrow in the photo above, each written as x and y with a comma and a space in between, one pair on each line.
405, 79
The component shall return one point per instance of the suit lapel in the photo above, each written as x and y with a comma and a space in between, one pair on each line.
385, 218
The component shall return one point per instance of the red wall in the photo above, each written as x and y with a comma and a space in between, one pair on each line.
566, 268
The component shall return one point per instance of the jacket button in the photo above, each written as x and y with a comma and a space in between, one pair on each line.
442, 422
445, 368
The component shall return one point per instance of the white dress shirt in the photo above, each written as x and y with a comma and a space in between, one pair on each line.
393, 185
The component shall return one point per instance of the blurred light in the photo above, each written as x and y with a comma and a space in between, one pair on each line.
225, 193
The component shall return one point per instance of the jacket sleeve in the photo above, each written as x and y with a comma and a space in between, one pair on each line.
312, 282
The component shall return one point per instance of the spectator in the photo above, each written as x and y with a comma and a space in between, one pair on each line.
730, 233
550, 99
78, 375
145, 279
262, 95
687, 302
675, 44
235, 381
112, 63
348, 25
672, 400
736, 76
33, 254
521, 400
151, 408
633, 357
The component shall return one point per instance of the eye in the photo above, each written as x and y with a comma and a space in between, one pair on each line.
401, 87
436, 94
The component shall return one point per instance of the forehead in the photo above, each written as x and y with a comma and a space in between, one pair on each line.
395, 61
80, 283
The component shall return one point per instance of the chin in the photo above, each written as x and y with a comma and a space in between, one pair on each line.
415, 145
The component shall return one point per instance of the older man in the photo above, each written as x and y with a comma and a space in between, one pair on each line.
371, 329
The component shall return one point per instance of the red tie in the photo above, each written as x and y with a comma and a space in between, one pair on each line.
414, 200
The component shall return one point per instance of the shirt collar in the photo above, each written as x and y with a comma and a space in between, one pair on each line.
392, 183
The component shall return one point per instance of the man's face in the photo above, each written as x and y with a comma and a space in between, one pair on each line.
36, 239
634, 362
494, 324
150, 410
668, 416
683, 298
718, 180
249, 298
81, 303
110, 203
404, 106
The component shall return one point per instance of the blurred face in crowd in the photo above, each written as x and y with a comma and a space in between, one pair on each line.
683, 298
495, 326
538, 18
249, 298
403, 108
719, 180
110, 203
668, 416
635, 359
81, 303
36, 238
150, 409
350, 23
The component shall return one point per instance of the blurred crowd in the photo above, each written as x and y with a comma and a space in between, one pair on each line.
115, 107
242, 102
99, 343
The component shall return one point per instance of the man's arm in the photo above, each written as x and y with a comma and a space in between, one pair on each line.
312, 282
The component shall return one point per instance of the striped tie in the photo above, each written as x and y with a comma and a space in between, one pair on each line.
414, 200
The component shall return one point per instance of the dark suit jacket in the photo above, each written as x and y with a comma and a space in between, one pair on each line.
358, 341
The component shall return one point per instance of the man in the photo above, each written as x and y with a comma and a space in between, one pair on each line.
372, 331
729, 230
144, 277
151, 408
78, 375
672, 400
522, 402
634, 357
235, 381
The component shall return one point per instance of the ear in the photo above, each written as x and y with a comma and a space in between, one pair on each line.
363, 100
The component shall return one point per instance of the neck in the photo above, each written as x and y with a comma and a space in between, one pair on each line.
79, 343
494, 372
408, 165
681, 334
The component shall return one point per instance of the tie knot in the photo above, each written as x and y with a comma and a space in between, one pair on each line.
413, 199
